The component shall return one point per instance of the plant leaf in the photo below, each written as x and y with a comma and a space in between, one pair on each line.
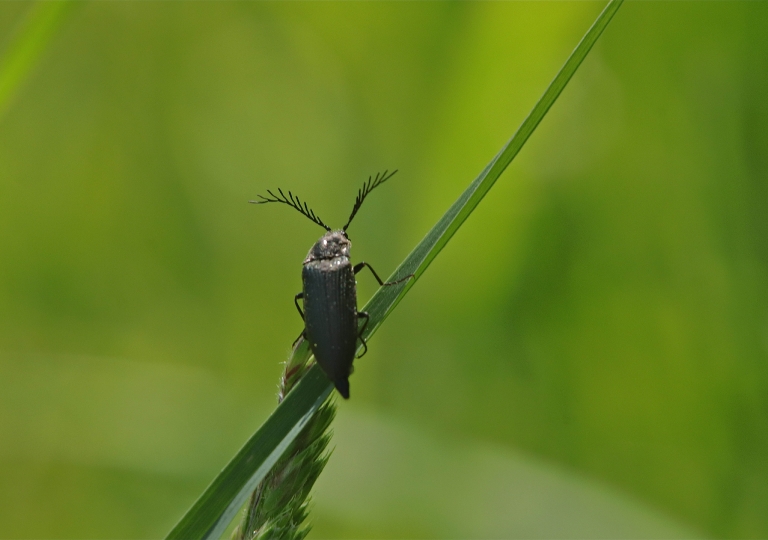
211, 514
26, 47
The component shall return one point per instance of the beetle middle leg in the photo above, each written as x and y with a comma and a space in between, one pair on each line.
359, 266
296, 301
367, 318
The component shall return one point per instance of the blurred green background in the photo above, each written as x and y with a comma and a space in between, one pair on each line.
586, 358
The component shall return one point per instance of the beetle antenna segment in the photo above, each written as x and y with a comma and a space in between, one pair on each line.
294, 202
368, 186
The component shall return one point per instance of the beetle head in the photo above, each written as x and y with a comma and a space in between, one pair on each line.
332, 244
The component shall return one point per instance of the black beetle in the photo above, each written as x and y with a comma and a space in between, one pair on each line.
330, 299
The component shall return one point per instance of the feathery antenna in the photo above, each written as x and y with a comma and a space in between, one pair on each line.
368, 186
294, 202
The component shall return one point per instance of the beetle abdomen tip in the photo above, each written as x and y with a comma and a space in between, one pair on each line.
342, 385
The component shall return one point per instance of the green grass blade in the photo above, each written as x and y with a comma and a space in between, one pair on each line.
27, 45
382, 303
211, 514
213, 511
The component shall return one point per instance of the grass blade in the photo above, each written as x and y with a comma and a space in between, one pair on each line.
27, 45
216, 507
211, 514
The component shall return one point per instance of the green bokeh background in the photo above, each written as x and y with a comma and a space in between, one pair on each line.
587, 357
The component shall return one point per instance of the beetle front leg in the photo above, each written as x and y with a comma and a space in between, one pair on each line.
360, 333
296, 301
361, 265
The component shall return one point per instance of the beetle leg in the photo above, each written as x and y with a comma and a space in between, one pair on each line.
364, 345
406, 278
361, 265
360, 334
296, 301
363, 314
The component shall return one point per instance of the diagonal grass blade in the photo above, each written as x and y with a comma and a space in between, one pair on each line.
213, 511
27, 46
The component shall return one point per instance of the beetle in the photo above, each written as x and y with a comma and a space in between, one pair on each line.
330, 314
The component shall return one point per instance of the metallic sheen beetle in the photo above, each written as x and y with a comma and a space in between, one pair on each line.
330, 299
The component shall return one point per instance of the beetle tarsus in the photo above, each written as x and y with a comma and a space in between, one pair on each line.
406, 278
